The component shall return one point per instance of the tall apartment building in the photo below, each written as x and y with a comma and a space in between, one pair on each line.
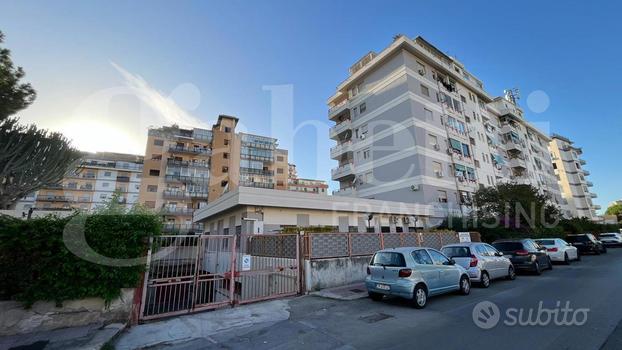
304, 185
413, 125
91, 183
572, 178
186, 168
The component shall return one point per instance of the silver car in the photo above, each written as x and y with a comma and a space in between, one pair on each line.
482, 261
414, 273
611, 238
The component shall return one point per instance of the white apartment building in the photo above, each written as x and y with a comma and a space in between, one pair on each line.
572, 178
413, 125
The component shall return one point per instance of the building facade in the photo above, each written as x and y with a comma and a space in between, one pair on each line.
294, 183
91, 184
187, 168
413, 125
572, 178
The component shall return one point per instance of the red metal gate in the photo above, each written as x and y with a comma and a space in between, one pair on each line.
194, 273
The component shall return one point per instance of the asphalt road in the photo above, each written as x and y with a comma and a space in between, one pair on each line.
592, 286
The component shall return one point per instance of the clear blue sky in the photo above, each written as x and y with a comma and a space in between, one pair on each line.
231, 50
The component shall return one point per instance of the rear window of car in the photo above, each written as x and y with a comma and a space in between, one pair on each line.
546, 242
457, 252
389, 259
508, 246
581, 238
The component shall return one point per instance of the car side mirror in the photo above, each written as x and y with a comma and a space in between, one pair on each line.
499, 254
450, 262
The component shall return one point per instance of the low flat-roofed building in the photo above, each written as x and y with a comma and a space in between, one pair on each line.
256, 210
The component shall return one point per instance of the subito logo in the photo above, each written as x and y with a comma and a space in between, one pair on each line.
486, 315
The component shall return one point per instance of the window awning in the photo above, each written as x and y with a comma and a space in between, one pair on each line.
455, 144
460, 167
498, 159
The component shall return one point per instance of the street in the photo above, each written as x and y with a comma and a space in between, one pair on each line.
447, 322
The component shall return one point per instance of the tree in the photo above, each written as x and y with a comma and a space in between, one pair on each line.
14, 95
29, 157
615, 209
516, 207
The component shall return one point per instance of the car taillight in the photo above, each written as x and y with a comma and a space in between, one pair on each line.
521, 252
405, 272
473, 261
552, 250
368, 270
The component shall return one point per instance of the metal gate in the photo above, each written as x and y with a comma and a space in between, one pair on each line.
194, 273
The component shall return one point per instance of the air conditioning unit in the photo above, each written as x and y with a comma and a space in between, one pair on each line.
362, 137
460, 178
449, 151
437, 147
414, 187
421, 72
406, 220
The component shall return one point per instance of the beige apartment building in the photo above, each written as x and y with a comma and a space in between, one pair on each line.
412, 124
186, 168
572, 178
294, 183
90, 184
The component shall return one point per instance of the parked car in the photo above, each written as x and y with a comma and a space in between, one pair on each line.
482, 261
559, 250
414, 273
525, 254
586, 243
610, 239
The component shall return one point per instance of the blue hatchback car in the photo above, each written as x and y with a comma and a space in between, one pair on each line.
414, 273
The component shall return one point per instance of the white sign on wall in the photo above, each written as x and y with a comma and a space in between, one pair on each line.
464, 237
246, 262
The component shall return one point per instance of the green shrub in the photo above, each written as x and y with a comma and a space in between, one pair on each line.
35, 263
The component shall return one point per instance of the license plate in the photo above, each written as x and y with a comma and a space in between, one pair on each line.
382, 286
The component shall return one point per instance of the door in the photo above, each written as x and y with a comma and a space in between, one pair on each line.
499, 263
430, 274
449, 274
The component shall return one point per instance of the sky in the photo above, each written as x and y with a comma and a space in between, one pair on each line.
105, 71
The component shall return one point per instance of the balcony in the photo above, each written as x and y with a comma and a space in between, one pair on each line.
345, 192
186, 164
253, 171
177, 211
188, 150
338, 150
593, 195
517, 163
186, 179
513, 145
589, 183
339, 128
342, 171
54, 198
268, 185
597, 207
177, 194
341, 109
507, 108
183, 228
585, 172
582, 161
123, 179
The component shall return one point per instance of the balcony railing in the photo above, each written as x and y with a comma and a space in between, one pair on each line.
257, 157
254, 171
269, 185
178, 211
340, 149
115, 165
183, 228
189, 150
176, 194
54, 198
186, 179
186, 164
346, 191
341, 171
338, 109
260, 145
340, 127
589, 183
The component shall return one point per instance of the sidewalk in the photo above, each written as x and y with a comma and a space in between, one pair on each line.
183, 329
91, 337
349, 292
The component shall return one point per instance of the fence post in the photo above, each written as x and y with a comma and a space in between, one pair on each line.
193, 297
381, 240
349, 235
233, 271
146, 280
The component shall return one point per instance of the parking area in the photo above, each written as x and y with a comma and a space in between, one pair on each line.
594, 284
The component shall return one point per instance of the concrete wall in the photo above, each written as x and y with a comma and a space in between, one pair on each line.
45, 316
328, 273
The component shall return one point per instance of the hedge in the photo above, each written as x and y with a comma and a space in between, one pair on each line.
36, 265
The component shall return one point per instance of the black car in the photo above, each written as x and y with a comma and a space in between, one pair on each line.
525, 254
586, 243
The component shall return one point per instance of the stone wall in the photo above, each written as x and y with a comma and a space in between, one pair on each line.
45, 316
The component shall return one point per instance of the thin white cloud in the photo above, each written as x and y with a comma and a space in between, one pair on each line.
167, 109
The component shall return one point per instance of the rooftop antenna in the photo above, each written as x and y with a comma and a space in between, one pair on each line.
512, 95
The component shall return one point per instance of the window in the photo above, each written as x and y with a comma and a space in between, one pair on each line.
362, 108
156, 157
437, 168
154, 172
420, 68
157, 142
279, 170
437, 257
107, 174
425, 91
225, 169
152, 188
366, 154
225, 155
388, 259
465, 150
428, 115
223, 183
102, 196
280, 158
442, 196
433, 140
463, 99
227, 129
421, 257
226, 142
106, 184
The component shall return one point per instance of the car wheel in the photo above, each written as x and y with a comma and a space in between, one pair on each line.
597, 252
511, 273
566, 259
604, 250
485, 280
465, 285
550, 264
376, 296
578, 256
536, 268
420, 297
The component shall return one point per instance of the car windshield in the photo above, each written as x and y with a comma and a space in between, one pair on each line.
389, 259
457, 252
608, 235
546, 241
508, 246
581, 238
